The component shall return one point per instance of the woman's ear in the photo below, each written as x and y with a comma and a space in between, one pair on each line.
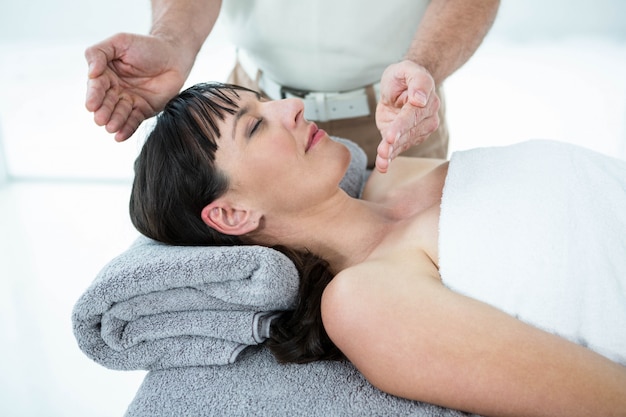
224, 218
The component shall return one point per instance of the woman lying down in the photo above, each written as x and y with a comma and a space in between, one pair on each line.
494, 284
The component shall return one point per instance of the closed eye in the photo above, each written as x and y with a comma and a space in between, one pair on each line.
256, 127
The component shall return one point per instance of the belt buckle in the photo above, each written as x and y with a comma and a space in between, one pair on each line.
314, 103
324, 107
292, 91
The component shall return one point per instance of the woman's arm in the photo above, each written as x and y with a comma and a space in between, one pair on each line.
414, 338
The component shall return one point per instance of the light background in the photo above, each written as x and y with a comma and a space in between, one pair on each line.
548, 69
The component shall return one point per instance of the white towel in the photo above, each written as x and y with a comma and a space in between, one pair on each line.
538, 230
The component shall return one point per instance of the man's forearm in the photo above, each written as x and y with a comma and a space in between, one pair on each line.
449, 34
186, 23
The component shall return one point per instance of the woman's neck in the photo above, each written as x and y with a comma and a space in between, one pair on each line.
343, 231
350, 235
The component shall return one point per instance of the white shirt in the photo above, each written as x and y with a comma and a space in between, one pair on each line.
323, 45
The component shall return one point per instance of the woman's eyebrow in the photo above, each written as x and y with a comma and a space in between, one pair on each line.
242, 112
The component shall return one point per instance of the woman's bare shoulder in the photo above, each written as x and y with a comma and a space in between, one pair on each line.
365, 292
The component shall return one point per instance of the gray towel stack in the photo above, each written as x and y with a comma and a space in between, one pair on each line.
157, 306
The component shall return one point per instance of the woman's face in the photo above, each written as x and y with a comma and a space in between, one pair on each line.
275, 159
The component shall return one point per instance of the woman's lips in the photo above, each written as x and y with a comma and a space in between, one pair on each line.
315, 136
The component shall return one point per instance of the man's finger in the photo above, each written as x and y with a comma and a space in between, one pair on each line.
419, 98
408, 117
415, 135
97, 60
382, 164
96, 92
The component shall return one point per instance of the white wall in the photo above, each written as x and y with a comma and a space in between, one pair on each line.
533, 20
68, 20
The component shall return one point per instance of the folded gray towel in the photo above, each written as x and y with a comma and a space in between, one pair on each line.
256, 385
158, 306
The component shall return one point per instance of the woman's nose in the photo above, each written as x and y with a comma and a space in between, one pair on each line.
291, 110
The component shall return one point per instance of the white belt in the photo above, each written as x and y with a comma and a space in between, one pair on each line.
318, 106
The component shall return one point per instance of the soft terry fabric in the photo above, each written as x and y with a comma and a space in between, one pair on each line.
157, 306
256, 385
538, 230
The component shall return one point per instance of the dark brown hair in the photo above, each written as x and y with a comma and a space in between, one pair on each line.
176, 176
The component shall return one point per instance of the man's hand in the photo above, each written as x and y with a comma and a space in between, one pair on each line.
407, 111
131, 78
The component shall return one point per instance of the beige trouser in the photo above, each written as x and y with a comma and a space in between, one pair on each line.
362, 130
